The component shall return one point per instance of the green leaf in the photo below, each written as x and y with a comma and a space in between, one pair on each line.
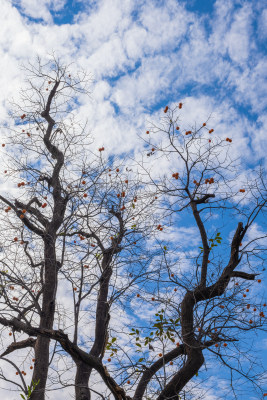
113, 340
141, 359
21, 395
138, 344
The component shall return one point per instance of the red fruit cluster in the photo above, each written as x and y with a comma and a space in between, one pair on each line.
166, 109
101, 149
195, 182
188, 132
228, 140
159, 228
44, 205
175, 175
211, 130
209, 180
242, 190
21, 184
23, 116
180, 105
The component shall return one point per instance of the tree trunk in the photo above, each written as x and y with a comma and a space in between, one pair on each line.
82, 391
47, 318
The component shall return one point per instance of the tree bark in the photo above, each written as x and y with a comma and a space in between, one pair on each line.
41, 365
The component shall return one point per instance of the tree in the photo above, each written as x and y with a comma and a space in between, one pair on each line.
92, 228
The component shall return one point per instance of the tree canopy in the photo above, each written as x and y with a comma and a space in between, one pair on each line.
125, 276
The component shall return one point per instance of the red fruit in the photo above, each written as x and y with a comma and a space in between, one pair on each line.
259, 280
138, 295
3, 145
10, 333
109, 359
172, 275
85, 195
126, 181
177, 128
153, 149
117, 170
83, 182
211, 130
15, 239
177, 344
204, 124
244, 295
128, 382
225, 344
147, 132
250, 321
216, 345
160, 354
17, 373
171, 363
175, 290
153, 298
180, 105
166, 109
31, 367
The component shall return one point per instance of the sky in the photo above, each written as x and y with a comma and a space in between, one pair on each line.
143, 55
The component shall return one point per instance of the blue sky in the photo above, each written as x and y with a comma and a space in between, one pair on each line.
144, 54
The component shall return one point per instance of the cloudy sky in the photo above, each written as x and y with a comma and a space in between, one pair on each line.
145, 54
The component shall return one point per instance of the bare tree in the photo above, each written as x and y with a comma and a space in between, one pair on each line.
101, 231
